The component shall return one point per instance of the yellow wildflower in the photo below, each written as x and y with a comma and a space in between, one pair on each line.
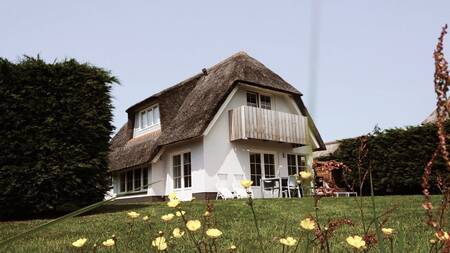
213, 233
193, 225
232, 247
173, 203
133, 215
79, 243
180, 213
288, 241
167, 217
207, 213
108, 243
356, 242
305, 175
145, 218
432, 241
442, 236
308, 224
177, 233
172, 196
246, 183
387, 231
160, 243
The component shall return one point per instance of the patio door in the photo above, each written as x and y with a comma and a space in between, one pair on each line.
262, 165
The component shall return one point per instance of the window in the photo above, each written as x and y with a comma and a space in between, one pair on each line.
149, 117
259, 161
265, 102
134, 180
182, 175
252, 99
255, 168
269, 165
258, 100
296, 163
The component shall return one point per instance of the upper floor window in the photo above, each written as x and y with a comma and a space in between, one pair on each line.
149, 117
259, 100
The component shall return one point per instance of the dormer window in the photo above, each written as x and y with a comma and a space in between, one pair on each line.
259, 100
146, 120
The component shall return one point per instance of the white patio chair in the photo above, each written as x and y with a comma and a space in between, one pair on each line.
291, 185
224, 193
241, 193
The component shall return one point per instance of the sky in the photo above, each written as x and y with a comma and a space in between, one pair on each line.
373, 59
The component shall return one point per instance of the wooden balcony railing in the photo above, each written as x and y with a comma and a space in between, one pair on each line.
248, 122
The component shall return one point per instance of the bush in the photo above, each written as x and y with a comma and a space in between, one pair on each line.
397, 156
55, 125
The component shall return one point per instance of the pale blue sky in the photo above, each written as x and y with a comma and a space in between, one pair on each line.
375, 57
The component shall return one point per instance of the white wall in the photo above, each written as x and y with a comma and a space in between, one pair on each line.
225, 162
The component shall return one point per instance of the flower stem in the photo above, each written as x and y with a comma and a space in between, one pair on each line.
256, 225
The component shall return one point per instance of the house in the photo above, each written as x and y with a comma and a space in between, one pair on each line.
234, 120
432, 118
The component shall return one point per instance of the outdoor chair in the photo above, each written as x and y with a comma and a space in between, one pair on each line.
271, 184
241, 193
291, 184
224, 193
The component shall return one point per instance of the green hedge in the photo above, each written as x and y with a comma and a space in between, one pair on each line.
398, 157
55, 125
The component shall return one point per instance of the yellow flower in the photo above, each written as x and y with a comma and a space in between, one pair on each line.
305, 175
288, 241
387, 231
356, 242
442, 236
308, 224
180, 213
173, 203
213, 233
133, 215
232, 247
145, 218
432, 241
193, 225
206, 214
108, 243
172, 196
177, 233
167, 217
160, 243
246, 183
79, 243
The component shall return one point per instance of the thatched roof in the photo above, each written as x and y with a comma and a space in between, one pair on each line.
432, 118
188, 107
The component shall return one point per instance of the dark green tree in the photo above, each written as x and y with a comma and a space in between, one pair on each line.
55, 126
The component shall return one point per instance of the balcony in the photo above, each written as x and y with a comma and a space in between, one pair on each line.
248, 122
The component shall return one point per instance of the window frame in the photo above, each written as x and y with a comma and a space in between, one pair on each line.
123, 180
259, 100
156, 121
262, 164
298, 165
183, 177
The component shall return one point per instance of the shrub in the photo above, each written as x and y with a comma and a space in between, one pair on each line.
397, 156
55, 125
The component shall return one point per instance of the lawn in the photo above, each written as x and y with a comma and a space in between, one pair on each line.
234, 218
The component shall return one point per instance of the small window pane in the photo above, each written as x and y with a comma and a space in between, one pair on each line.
122, 182
265, 102
255, 168
156, 118
137, 180
176, 171
292, 165
187, 169
145, 178
252, 99
269, 165
143, 119
129, 180
150, 117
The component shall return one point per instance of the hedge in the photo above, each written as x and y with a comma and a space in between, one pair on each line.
397, 156
55, 125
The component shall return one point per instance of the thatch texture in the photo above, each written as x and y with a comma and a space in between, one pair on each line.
188, 107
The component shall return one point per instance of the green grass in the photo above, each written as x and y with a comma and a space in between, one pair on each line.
276, 217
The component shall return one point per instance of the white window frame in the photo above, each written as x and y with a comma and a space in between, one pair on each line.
142, 187
258, 99
182, 175
155, 123
298, 167
261, 154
